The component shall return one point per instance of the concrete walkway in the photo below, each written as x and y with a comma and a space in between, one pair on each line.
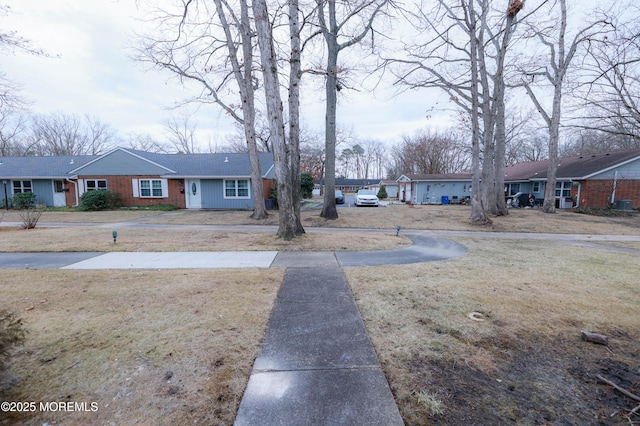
317, 365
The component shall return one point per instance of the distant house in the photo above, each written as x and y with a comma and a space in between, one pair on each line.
436, 188
349, 185
599, 180
197, 181
391, 186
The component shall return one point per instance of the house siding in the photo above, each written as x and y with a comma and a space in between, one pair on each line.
432, 192
212, 191
626, 171
596, 193
121, 163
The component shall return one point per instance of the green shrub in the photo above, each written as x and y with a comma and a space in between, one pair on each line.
12, 333
100, 199
306, 185
24, 200
382, 193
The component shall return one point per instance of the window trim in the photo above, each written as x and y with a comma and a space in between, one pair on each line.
97, 186
22, 186
236, 188
138, 190
564, 189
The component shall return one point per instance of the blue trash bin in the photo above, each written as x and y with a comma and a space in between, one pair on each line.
445, 199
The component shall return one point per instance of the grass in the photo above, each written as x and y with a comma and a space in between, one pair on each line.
150, 347
528, 292
176, 347
130, 239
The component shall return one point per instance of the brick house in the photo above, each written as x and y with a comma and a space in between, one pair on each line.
599, 180
208, 181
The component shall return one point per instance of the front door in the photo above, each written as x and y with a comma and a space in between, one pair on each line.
192, 192
58, 194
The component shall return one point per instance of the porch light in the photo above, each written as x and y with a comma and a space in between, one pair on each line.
397, 230
115, 236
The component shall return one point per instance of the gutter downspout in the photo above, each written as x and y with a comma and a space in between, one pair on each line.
75, 184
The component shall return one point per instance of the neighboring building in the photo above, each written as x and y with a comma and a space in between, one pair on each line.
436, 188
590, 181
207, 181
349, 185
391, 186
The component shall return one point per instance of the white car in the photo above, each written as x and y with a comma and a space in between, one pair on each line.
366, 197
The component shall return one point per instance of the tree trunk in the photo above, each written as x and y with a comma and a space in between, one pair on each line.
247, 97
478, 215
329, 210
288, 222
499, 107
295, 74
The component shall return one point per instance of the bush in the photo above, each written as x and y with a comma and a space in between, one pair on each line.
24, 200
382, 193
306, 185
606, 212
100, 199
30, 218
12, 334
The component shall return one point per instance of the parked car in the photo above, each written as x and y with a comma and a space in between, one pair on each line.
339, 197
366, 197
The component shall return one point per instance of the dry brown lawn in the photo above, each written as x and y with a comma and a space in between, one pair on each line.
526, 355
150, 347
131, 239
176, 347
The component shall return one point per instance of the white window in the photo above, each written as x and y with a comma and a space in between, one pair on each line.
536, 186
563, 189
93, 184
236, 188
20, 186
150, 188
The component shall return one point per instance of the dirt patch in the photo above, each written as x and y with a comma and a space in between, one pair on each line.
535, 381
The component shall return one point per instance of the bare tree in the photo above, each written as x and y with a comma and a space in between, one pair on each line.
145, 142
560, 53
13, 129
12, 41
463, 35
427, 153
611, 94
212, 46
289, 225
67, 134
312, 155
181, 134
335, 27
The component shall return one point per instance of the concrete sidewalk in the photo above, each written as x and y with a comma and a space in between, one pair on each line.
317, 365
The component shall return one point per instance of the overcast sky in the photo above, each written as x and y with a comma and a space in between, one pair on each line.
90, 72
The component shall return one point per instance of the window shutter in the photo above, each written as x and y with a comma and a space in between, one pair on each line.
81, 188
134, 185
165, 188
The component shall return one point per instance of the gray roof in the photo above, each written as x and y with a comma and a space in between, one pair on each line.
41, 167
183, 165
579, 167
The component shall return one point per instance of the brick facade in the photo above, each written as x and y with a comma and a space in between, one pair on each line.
596, 193
122, 185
